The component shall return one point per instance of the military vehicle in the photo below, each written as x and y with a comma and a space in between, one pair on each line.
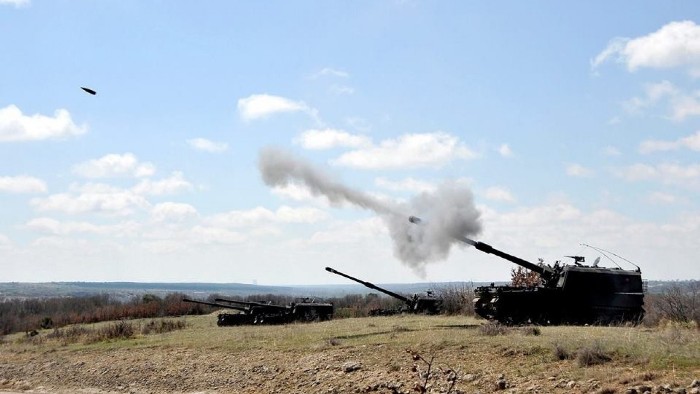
228, 319
567, 294
306, 310
429, 304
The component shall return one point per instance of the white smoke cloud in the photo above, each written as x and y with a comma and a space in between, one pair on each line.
448, 212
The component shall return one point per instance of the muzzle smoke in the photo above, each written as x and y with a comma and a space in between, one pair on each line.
447, 214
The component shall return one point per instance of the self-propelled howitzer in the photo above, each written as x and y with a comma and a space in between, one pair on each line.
571, 294
227, 319
429, 304
304, 311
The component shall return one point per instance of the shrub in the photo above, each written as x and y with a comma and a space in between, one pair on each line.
162, 326
493, 329
591, 356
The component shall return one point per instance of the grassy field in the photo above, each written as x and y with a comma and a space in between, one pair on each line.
358, 355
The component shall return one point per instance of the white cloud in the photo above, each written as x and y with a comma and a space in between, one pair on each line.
408, 151
667, 173
14, 126
16, 3
611, 151
92, 198
331, 138
175, 183
172, 211
691, 142
55, 227
114, 165
206, 145
405, 185
208, 235
22, 184
676, 44
341, 89
5, 242
505, 150
662, 198
258, 106
578, 170
681, 105
328, 71
499, 194
260, 215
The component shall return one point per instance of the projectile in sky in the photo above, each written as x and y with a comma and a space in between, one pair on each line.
92, 92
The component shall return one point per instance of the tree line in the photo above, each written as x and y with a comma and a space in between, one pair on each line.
679, 302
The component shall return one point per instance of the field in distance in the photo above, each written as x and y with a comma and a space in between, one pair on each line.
376, 354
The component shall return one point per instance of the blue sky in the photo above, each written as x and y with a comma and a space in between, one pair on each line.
570, 123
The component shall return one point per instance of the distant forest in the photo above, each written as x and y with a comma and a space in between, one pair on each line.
669, 301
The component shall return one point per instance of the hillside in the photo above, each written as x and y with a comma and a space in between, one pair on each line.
357, 355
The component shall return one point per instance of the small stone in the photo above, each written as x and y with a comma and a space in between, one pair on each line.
351, 366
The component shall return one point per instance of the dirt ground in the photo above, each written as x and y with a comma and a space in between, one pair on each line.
346, 365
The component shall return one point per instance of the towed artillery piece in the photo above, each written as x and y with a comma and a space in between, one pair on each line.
566, 294
228, 319
306, 310
429, 304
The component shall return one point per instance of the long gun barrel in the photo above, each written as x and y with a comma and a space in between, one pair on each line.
238, 308
486, 248
252, 303
371, 286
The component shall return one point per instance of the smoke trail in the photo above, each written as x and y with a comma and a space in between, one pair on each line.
448, 212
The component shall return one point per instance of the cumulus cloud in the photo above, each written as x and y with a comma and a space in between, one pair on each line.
676, 44
331, 138
172, 211
408, 151
330, 72
92, 198
505, 151
611, 151
681, 105
206, 145
22, 184
667, 173
662, 198
259, 106
175, 183
56, 227
498, 194
261, 215
15, 126
578, 170
690, 142
114, 165
16, 3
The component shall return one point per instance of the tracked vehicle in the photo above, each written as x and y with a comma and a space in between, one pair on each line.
305, 310
567, 294
428, 304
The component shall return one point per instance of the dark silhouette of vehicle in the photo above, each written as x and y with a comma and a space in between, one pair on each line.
567, 294
229, 319
304, 310
428, 304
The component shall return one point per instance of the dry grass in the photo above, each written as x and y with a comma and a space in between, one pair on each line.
477, 348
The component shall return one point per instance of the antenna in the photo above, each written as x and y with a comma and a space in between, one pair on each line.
603, 251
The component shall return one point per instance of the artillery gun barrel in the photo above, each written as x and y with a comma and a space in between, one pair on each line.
486, 248
238, 308
252, 303
371, 286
